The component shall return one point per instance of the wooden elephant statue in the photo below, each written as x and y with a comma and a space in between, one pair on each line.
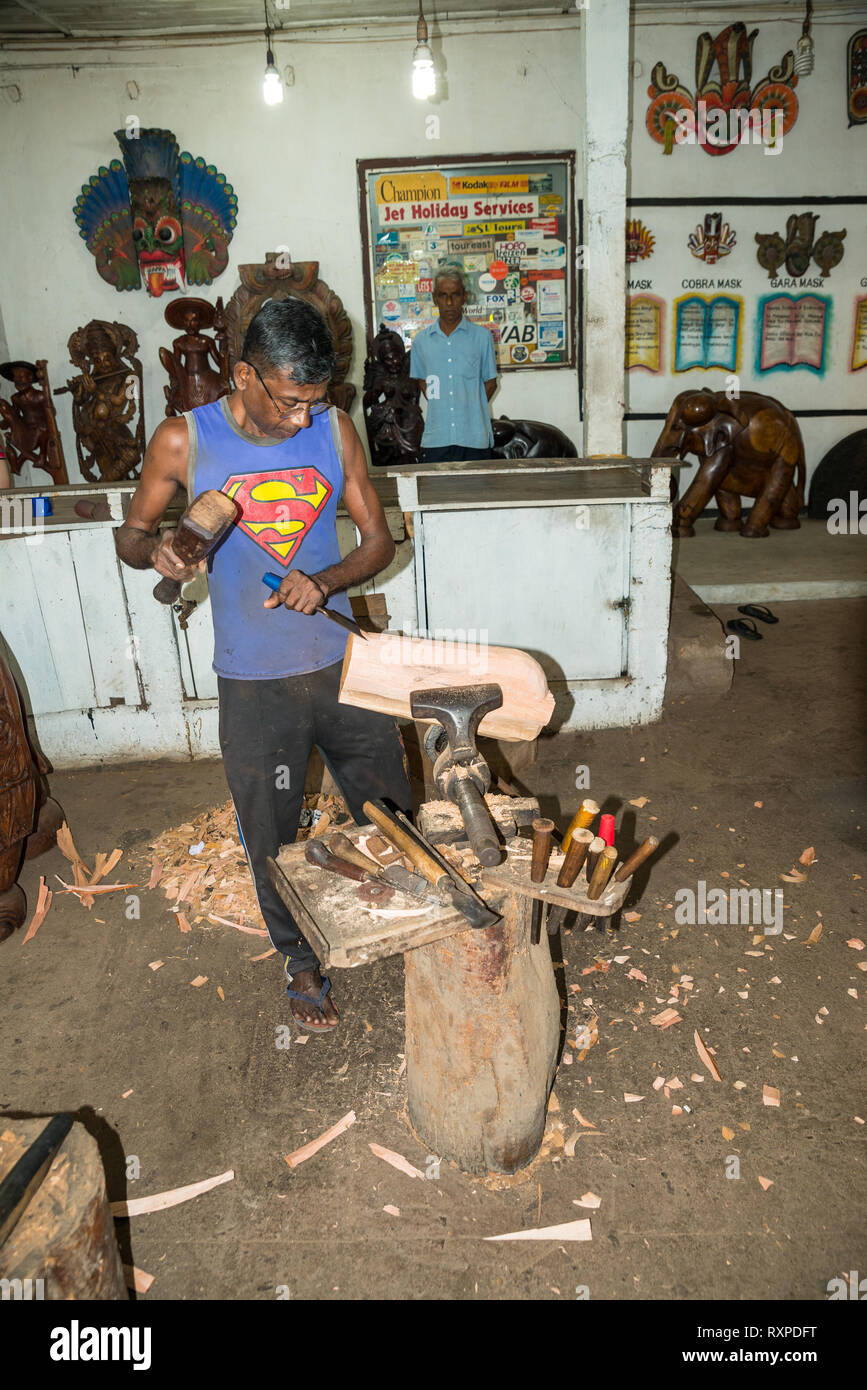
29, 819
750, 446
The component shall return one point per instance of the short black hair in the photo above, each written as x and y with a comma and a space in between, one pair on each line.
289, 335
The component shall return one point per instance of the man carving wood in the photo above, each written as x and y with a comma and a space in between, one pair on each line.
286, 456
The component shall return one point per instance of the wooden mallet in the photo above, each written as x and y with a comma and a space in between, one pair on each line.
203, 524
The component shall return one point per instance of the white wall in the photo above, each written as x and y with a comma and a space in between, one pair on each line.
820, 156
292, 167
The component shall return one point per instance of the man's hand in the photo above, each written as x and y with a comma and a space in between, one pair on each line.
166, 562
298, 591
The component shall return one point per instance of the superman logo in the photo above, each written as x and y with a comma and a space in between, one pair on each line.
278, 509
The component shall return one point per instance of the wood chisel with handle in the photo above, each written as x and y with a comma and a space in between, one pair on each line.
274, 581
395, 874
450, 889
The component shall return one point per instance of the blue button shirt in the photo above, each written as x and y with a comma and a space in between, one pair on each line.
455, 367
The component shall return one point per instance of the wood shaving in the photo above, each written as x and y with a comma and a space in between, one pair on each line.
392, 1211
308, 1150
40, 912
666, 1018
396, 1160
706, 1057
173, 1198
568, 1230
807, 856
766, 1183
220, 884
770, 1095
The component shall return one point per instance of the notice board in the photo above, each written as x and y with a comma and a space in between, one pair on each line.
507, 222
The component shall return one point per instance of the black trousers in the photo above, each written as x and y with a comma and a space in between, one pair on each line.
268, 729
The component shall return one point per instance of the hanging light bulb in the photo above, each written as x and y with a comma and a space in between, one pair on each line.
804, 58
272, 85
424, 78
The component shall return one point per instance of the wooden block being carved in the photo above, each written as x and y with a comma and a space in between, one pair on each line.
381, 671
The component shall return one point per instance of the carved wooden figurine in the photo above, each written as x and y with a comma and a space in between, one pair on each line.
198, 365
29, 819
281, 278
29, 421
105, 398
391, 410
749, 447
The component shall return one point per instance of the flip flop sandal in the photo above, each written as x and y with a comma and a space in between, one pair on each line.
758, 610
744, 627
309, 999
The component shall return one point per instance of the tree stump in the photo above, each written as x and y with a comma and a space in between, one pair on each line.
66, 1235
482, 1032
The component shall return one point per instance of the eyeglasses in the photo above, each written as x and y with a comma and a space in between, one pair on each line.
298, 408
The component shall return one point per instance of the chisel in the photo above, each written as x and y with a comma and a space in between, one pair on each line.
395, 874
274, 581
569, 871
580, 821
543, 831
601, 874
434, 868
635, 860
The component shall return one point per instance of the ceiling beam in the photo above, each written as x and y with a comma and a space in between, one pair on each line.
46, 18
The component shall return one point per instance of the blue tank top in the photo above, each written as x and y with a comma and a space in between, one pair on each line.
288, 491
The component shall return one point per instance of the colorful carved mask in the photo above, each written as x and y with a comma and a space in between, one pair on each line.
161, 216
726, 110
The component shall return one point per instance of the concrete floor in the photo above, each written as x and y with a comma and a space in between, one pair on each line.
810, 563
85, 1020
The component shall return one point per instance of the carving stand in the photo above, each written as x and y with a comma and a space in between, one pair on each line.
65, 1235
482, 1009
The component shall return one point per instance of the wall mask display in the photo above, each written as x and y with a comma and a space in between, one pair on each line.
106, 398
392, 413
160, 216
197, 364
29, 424
712, 239
856, 75
798, 246
714, 115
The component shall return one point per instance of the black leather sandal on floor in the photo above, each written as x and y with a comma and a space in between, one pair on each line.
744, 627
758, 610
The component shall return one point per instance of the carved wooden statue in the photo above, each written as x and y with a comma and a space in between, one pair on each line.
197, 364
106, 397
391, 410
29, 421
525, 439
279, 278
29, 819
750, 447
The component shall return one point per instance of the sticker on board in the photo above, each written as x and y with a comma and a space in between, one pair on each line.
391, 309
487, 282
528, 294
520, 354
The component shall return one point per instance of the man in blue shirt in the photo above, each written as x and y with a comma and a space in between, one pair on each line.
454, 362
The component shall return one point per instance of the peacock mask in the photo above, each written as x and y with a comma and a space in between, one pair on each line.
160, 216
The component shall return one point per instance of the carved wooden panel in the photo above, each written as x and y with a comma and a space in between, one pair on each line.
301, 281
